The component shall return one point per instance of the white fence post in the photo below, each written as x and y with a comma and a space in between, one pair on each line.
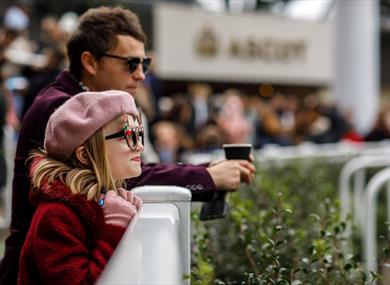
156, 247
370, 234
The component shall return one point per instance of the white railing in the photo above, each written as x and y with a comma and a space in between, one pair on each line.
155, 249
334, 152
370, 233
356, 168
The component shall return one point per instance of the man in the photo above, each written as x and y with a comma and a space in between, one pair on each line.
107, 51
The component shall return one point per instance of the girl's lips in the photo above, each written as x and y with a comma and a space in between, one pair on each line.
137, 158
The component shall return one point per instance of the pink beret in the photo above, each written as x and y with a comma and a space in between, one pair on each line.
81, 116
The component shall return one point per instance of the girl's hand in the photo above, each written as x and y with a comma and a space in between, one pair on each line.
130, 197
118, 211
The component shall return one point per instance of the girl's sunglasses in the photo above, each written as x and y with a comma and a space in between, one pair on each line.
133, 136
133, 62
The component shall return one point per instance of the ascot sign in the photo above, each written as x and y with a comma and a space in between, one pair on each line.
252, 48
196, 45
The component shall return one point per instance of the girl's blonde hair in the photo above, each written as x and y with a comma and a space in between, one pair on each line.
81, 179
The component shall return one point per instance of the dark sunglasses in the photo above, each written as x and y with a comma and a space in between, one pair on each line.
133, 136
133, 62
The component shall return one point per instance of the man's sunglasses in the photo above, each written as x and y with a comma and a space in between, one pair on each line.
133, 136
133, 62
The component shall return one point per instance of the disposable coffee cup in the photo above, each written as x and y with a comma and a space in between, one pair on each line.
237, 151
218, 207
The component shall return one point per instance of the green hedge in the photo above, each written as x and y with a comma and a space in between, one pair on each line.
285, 228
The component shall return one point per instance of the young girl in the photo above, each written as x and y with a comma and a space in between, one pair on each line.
92, 142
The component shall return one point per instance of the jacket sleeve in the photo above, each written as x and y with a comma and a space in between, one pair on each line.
194, 177
63, 250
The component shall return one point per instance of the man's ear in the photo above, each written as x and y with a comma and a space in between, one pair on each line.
88, 62
81, 155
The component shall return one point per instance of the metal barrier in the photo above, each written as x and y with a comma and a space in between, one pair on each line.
356, 168
341, 151
155, 248
371, 194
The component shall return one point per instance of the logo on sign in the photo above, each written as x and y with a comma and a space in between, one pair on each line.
206, 43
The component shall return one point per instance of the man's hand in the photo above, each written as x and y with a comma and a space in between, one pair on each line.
228, 174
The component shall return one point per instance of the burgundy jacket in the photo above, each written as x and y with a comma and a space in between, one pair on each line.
31, 136
68, 241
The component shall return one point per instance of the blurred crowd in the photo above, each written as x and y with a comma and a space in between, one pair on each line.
197, 119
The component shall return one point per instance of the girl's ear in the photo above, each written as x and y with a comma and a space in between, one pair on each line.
89, 62
81, 155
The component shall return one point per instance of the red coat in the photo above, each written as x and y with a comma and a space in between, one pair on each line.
68, 241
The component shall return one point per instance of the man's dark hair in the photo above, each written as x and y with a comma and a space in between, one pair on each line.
97, 31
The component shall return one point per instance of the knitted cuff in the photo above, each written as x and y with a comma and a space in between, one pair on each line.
118, 220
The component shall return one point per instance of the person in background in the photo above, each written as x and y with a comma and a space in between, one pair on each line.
381, 128
106, 51
7, 117
3, 113
77, 224
171, 141
200, 94
231, 118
